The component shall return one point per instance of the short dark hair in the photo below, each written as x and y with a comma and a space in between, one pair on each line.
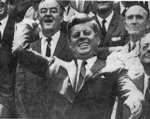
81, 18
141, 5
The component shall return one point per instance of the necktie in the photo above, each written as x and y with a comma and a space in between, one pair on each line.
0, 31
48, 49
80, 6
103, 28
81, 75
147, 95
124, 12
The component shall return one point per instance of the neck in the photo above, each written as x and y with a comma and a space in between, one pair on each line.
48, 33
104, 14
135, 38
147, 69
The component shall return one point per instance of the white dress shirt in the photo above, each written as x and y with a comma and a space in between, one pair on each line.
53, 43
88, 66
108, 20
3, 25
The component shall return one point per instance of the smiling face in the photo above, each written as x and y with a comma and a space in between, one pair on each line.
145, 49
83, 40
3, 8
136, 21
50, 16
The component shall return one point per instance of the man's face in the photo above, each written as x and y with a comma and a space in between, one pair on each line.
49, 15
3, 8
145, 50
136, 21
103, 6
83, 40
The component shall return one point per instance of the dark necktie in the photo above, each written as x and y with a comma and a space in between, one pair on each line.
81, 75
48, 49
147, 94
0, 32
103, 28
124, 12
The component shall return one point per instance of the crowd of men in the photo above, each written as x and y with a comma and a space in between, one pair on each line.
74, 59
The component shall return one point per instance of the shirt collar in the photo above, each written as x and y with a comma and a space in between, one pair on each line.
55, 36
90, 62
122, 8
108, 19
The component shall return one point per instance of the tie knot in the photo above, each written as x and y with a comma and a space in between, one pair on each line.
103, 21
48, 40
84, 63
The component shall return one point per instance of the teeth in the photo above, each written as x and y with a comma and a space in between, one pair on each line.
83, 44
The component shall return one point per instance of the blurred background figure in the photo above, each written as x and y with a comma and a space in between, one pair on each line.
121, 7
7, 61
112, 28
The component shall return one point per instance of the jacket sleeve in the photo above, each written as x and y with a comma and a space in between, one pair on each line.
31, 60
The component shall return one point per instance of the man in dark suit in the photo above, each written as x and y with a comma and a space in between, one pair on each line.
7, 62
82, 87
112, 30
33, 99
145, 60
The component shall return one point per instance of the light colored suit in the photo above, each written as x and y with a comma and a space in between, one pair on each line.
130, 59
96, 96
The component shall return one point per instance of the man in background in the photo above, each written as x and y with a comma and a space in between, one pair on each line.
112, 30
34, 99
7, 62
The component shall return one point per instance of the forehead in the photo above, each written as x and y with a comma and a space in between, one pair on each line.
82, 26
49, 4
136, 10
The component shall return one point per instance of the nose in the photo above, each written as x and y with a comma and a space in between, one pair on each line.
134, 21
82, 35
148, 49
48, 13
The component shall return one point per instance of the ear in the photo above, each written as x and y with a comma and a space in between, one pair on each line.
125, 24
69, 42
148, 25
98, 39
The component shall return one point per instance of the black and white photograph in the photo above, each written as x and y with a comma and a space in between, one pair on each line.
74, 59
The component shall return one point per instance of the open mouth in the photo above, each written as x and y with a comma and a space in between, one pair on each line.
48, 20
84, 44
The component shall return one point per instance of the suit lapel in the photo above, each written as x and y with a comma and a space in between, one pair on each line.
98, 65
112, 26
37, 46
60, 45
97, 21
8, 31
86, 4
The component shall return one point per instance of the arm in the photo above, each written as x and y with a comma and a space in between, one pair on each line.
33, 61
132, 96
103, 52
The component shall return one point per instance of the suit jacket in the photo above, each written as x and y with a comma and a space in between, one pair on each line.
96, 96
7, 69
33, 99
116, 35
130, 58
86, 7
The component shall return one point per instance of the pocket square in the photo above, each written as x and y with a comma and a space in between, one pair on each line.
102, 76
116, 38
